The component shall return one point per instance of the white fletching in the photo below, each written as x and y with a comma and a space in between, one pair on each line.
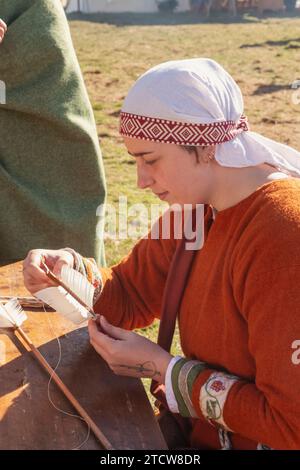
63, 303
11, 314
5, 322
78, 284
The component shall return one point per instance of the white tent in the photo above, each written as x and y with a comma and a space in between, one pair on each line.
118, 6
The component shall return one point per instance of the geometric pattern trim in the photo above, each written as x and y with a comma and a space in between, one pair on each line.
180, 133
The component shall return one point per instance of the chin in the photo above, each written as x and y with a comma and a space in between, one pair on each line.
176, 204
181, 203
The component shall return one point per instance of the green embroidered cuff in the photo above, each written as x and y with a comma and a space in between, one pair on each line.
183, 376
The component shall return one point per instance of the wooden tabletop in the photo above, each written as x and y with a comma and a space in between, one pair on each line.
118, 405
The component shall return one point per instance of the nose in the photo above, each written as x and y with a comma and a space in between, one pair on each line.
144, 179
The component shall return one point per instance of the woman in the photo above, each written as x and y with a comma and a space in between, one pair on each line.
236, 385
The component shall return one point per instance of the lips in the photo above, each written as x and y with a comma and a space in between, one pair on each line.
162, 195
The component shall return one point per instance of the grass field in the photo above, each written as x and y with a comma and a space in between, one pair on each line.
262, 55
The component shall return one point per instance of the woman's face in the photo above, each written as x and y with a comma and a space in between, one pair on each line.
170, 171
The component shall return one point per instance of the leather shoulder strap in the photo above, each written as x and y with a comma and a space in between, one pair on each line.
179, 271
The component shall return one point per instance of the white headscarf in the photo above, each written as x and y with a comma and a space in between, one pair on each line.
188, 95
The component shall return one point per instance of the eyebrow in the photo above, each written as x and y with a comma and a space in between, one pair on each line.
141, 154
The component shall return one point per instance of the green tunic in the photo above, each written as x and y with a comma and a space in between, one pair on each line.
51, 171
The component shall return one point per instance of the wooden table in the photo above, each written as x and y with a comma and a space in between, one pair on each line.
119, 405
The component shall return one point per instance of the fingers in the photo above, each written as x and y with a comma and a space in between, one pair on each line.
97, 336
65, 259
128, 353
3, 29
35, 277
113, 331
113, 347
3, 25
103, 344
2, 32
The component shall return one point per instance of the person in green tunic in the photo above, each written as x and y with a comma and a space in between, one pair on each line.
51, 170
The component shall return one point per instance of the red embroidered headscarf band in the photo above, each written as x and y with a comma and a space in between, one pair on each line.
180, 133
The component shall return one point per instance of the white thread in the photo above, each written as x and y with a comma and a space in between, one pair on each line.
72, 415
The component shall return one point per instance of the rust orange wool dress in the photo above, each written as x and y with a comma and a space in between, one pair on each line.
239, 313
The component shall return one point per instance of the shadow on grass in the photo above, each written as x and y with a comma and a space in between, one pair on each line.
169, 19
273, 88
288, 44
155, 19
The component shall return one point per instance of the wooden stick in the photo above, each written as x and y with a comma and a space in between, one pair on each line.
58, 282
98, 433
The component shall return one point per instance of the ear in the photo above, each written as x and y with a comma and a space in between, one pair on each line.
208, 153
202, 154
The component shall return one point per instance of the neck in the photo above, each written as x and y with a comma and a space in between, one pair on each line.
232, 185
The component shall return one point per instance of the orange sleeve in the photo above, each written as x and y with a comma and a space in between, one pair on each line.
269, 410
133, 289
266, 279
266, 289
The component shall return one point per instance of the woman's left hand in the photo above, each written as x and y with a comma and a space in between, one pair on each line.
128, 353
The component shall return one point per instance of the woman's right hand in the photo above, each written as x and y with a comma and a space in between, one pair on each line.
35, 277
3, 29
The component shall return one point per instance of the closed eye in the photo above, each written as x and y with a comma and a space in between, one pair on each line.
150, 162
